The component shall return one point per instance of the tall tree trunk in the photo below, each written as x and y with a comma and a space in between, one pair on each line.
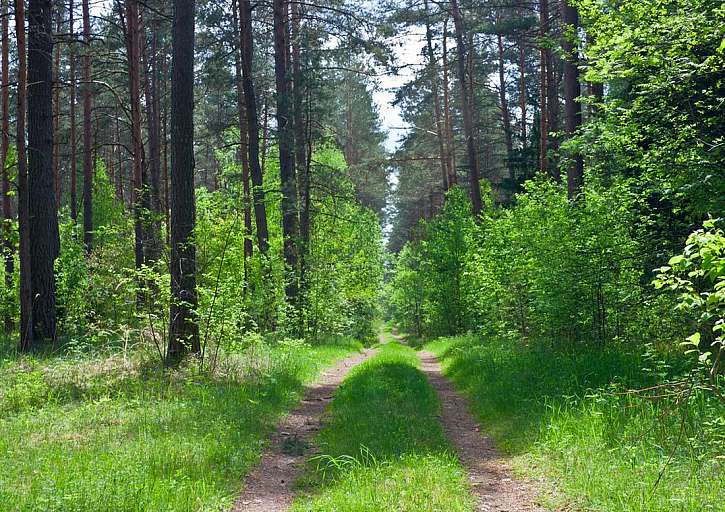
8, 246
27, 334
44, 241
165, 146
433, 70
153, 194
285, 141
87, 133
450, 146
522, 91
72, 114
543, 90
466, 107
183, 328
137, 187
250, 100
505, 115
572, 91
302, 142
56, 103
243, 152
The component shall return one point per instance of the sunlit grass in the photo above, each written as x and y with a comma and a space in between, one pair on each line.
383, 446
564, 414
107, 433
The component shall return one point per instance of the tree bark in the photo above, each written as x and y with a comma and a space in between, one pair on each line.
44, 241
543, 94
56, 104
87, 133
250, 100
153, 194
134, 82
433, 70
243, 153
8, 246
183, 326
505, 115
572, 91
72, 114
522, 91
450, 145
27, 335
285, 141
468, 128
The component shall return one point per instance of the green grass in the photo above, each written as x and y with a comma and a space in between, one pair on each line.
89, 433
383, 447
565, 415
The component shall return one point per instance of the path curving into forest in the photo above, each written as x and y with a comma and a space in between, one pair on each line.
269, 487
492, 483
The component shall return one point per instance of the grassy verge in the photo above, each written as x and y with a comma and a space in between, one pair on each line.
114, 433
564, 414
383, 447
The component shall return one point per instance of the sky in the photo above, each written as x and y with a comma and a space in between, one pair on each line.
407, 49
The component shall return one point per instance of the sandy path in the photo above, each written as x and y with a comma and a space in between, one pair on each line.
268, 487
490, 476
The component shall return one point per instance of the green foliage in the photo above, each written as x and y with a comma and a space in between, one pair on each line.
698, 277
383, 447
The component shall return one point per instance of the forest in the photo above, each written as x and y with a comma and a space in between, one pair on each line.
349, 255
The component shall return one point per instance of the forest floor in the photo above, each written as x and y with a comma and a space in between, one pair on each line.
383, 430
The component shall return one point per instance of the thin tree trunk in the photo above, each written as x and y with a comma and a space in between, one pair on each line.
165, 146
44, 241
466, 107
285, 142
27, 338
87, 133
543, 68
137, 186
8, 245
505, 115
433, 70
301, 145
522, 91
56, 104
72, 114
450, 146
153, 194
572, 91
243, 153
250, 100
183, 326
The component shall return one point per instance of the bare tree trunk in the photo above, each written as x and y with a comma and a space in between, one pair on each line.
56, 104
522, 91
138, 189
543, 90
87, 134
73, 136
505, 115
8, 246
243, 153
466, 107
27, 335
44, 241
301, 144
183, 328
285, 141
250, 99
450, 145
572, 91
433, 70
153, 194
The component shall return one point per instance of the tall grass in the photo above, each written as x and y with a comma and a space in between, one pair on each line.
568, 415
89, 433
